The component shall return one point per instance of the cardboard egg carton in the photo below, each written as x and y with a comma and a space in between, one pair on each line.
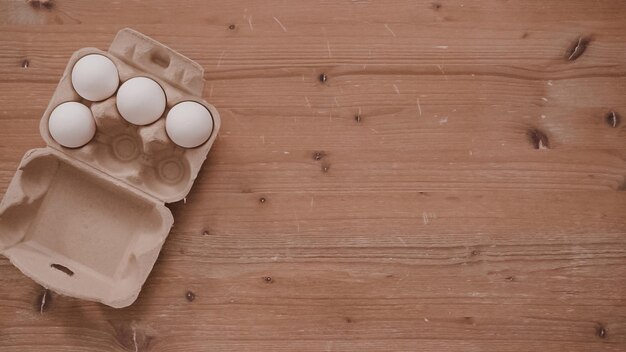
90, 222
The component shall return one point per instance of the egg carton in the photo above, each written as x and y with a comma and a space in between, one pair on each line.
90, 222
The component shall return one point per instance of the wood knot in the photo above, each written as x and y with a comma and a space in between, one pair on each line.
613, 119
39, 4
190, 296
538, 139
577, 48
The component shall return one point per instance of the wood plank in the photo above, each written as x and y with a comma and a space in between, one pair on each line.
454, 184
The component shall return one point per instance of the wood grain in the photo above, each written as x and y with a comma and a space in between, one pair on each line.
454, 183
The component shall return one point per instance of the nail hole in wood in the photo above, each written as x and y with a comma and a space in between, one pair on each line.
436, 6
601, 331
613, 119
325, 167
190, 296
62, 268
205, 233
357, 118
510, 278
538, 139
25, 63
323, 78
268, 279
231, 27
319, 155
577, 48
262, 200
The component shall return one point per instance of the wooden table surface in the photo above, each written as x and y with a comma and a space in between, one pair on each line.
390, 175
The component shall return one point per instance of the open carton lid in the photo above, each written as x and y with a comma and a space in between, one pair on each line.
90, 222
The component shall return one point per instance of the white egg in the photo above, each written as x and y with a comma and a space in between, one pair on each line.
95, 77
141, 101
72, 125
189, 124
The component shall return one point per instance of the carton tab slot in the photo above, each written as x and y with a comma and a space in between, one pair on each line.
62, 268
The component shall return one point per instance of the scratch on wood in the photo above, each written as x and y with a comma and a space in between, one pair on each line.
442, 71
250, 23
441, 47
308, 104
135, 339
426, 217
395, 87
43, 301
280, 24
402, 241
389, 29
328, 47
219, 61
297, 221
419, 106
